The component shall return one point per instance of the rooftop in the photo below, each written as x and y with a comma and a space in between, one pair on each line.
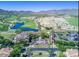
71, 53
5, 52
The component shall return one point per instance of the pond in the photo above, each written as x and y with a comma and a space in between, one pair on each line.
19, 25
30, 29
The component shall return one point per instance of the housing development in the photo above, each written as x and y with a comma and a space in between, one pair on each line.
52, 33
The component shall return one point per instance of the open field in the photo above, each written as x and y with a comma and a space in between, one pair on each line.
73, 21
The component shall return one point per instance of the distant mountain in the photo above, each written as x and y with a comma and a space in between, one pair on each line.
1, 10
62, 11
49, 12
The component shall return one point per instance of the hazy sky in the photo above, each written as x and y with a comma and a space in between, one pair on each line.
37, 5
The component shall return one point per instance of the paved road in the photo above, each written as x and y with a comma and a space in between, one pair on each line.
44, 49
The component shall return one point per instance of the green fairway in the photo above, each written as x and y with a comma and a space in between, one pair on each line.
3, 27
29, 23
73, 21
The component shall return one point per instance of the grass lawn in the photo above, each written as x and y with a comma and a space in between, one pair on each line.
3, 27
73, 21
30, 24
7, 35
37, 54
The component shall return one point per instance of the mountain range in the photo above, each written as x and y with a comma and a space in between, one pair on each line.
49, 12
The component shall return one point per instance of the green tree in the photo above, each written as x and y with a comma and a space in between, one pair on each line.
1, 37
44, 35
33, 36
40, 53
23, 42
16, 52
